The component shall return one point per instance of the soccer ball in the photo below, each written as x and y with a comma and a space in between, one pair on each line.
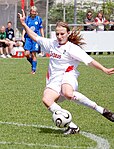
62, 118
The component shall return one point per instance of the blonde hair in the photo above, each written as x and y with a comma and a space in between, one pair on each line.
34, 8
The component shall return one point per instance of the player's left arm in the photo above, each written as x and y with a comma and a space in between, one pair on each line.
97, 65
41, 26
42, 32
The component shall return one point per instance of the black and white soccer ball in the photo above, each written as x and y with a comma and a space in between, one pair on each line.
62, 118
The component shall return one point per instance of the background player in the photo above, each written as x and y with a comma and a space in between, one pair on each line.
34, 22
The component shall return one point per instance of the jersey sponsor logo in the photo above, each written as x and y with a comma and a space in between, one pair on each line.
55, 55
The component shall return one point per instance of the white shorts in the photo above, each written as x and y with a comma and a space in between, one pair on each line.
68, 77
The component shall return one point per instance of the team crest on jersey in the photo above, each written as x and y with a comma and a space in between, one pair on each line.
36, 23
64, 51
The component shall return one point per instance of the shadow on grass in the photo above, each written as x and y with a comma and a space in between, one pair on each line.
51, 131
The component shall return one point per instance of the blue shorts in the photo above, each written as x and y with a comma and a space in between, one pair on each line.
31, 45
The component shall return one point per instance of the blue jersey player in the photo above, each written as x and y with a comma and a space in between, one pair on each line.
34, 22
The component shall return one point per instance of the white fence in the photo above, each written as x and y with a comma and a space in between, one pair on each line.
96, 41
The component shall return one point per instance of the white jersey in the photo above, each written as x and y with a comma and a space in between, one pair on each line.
63, 58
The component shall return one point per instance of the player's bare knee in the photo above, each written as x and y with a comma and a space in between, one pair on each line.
47, 102
68, 95
27, 55
44, 100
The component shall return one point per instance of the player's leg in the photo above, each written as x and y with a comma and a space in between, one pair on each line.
27, 47
34, 50
28, 56
34, 62
80, 98
69, 90
49, 99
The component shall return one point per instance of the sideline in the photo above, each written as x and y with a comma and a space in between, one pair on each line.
101, 142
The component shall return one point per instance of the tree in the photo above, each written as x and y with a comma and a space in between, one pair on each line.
56, 13
108, 9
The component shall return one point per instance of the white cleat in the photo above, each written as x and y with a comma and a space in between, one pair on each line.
70, 130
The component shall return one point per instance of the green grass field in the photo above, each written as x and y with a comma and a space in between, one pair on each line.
25, 122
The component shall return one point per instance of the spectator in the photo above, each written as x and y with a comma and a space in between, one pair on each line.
3, 43
89, 20
101, 23
112, 25
10, 36
111, 29
31, 48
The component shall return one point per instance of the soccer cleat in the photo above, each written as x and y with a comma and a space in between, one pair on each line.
70, 130
33, 72
108, 114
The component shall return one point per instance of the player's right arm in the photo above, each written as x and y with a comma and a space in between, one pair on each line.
30, 33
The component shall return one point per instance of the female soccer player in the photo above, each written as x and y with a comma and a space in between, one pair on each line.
34, 22
65, 55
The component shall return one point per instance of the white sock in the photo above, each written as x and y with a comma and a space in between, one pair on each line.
54, 107
80, 98
99, 109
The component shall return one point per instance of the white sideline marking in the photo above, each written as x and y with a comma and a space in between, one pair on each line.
101, 142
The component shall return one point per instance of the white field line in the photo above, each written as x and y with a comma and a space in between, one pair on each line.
101, 142
40, 145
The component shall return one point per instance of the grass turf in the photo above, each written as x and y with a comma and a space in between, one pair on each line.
20, 103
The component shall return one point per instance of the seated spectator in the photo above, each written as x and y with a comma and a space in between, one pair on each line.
3, 43
89, 20
101, 23
10, 36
